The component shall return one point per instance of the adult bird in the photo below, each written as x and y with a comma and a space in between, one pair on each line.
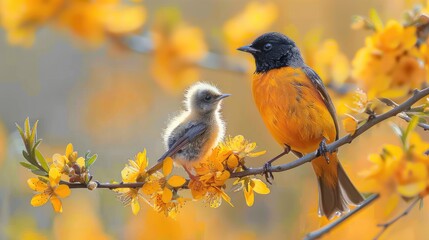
298, 112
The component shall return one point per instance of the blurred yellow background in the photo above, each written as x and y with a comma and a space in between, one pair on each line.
114, 101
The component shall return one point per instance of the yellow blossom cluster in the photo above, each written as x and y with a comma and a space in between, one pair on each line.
178, 47
92, 21
212, 172
156, 186
401, 170
255, 18
390, 64
159, 188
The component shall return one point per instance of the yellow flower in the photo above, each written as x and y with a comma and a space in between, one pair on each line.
350, 124
250, 186
211, 171
330, 63
51, 190
94, 21
215, 195
130, 196
21, 18
389, 64
255, 19
178, 46
210, 179
405, 170
135, 171
240, 147
65, 162
393, 38
170, 208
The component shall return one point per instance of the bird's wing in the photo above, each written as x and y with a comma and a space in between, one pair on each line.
317, 82
191, 131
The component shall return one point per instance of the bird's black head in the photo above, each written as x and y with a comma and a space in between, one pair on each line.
273, 50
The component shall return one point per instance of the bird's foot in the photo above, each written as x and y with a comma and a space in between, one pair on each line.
268, 173
267, 166
323, 150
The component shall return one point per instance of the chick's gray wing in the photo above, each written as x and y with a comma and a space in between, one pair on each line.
181, 138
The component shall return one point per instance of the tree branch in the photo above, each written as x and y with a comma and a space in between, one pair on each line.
399, 108
324, 230
417, 95
404, 115
386, 225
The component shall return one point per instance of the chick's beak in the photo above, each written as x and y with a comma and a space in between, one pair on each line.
220, 97
249, 49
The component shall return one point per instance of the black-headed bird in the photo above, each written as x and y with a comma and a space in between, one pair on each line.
298, 112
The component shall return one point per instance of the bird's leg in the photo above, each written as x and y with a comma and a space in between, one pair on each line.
323, 150
267, 173
189, 172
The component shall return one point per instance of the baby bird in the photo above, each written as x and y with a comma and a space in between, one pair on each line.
191, 136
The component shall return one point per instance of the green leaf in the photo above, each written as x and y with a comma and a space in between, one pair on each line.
39, 172
36, 144
375, 19
90, 161
411, 126
27, 127
21, 132
29, 166
26, 156
33, 134
42, 160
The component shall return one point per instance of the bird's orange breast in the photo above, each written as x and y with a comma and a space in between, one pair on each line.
292, 109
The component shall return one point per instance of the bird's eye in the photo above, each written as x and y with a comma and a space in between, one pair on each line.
268, 46
208, 98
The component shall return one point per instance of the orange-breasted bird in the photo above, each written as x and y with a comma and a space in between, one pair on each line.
298, 112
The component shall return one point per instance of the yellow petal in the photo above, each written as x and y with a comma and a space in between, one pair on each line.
54, 176
150, 188
167, 166
256, 154
37, 185
142, 159
176, 181
232, 161
226, 198
39, 199
167, 195
69, 149
135, 206
62, 191
56, 204
80, 162
260, 187
125, 20
412, 189
128, 175
391, 204
249, 196
350, 124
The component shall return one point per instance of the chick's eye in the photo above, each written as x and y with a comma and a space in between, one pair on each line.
268, 46
207, 97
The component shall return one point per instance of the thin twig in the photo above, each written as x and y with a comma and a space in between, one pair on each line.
324, 230
386, 225
213, 61
404, 114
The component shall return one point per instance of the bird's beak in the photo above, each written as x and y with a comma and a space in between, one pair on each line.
249, 49
220, 97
